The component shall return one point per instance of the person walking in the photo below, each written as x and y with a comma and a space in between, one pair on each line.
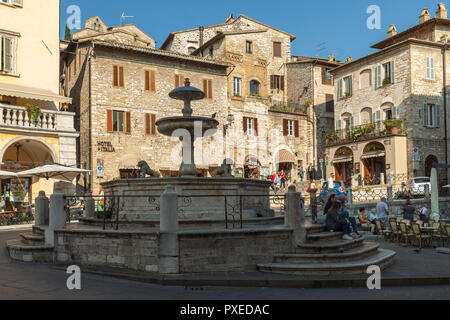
277, 182
301, 173
408, 211
383, 212
283, 180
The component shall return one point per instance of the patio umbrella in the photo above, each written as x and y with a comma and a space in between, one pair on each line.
7, 174
54, 171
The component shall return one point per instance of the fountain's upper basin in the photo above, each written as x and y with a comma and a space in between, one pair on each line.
167, 126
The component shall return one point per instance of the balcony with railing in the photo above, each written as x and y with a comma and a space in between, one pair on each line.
276, 105
365, 132
33, 118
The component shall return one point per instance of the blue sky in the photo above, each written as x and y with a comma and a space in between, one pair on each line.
340, 24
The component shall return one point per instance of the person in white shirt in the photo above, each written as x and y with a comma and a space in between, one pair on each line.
331, 181
423, 212
383, 212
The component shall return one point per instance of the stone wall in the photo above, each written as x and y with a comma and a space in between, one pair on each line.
138, 251
231, 251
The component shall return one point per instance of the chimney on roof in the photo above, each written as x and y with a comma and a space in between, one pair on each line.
392, 31
441, 12
201, 31
331, 58
230, 19
424, 15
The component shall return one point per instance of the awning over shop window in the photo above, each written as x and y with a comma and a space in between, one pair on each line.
31, 93
342, 160
377, 154
284, 156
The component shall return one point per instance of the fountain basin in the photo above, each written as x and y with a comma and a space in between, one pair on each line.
167, 126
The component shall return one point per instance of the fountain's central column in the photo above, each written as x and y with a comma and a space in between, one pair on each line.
188, 168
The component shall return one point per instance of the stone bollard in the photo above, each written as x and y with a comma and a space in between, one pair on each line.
57, 215
168, 252
41, 210
89, 206
434, 192
295, 215
349, 196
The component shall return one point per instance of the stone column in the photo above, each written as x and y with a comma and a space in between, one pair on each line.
89, 206
168, 251
41, 210
390, 195
57, 215
434, 192
295, 215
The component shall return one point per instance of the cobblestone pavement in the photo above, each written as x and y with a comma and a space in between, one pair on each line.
37, 281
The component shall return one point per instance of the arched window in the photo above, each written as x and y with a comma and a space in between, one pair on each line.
254, 88
191, 49
366, 115
365, 79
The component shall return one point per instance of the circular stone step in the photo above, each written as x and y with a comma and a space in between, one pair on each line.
329, 247
382, 258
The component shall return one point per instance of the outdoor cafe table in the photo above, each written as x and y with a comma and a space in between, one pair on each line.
428, 230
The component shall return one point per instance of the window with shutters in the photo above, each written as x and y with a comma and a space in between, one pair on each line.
431, 115
387, 73
248, 47
277, 49
118, 121
208, 88
150, 124
276, 82
8, 54
250, 126
430, 68
118, 77
150, 81
348, 86
179, 80
290, 128
237, 87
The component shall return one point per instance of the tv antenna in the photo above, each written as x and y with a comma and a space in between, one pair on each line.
319, 47
123, 17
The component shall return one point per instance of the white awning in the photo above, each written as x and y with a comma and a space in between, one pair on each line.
343, 159
31, 93
377, 154
284, 156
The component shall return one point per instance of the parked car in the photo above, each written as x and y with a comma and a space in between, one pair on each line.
339, 190
417, 186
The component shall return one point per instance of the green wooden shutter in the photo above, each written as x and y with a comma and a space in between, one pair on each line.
339, 93
424, 115
437, 116
350, 85
395, 112
378, 77
392, 72
8, 56
339, 125
432, 68
428, 75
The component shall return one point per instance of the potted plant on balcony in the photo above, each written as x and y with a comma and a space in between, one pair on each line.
34, 112
393, 126
308, 103
331, 136
386, 81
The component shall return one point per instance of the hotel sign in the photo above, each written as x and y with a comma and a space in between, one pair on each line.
105, 146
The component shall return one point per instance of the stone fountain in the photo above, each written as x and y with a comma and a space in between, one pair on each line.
188, 122
200, 197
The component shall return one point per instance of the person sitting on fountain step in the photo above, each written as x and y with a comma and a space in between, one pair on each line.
335, 222
350, 220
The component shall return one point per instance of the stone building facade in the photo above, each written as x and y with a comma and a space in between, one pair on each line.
120, 86
310, 85
34, 126
391, 106
263, 130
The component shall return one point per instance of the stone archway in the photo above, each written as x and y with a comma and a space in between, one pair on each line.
343, 165
429, 161
374, 162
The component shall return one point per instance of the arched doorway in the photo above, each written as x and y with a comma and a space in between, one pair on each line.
23, 154
284, 160
429, 161
343, 165
374, 162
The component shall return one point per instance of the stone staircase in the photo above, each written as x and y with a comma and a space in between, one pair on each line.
326, 254
31, 247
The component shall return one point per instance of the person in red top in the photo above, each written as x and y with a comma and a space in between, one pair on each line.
283, 180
